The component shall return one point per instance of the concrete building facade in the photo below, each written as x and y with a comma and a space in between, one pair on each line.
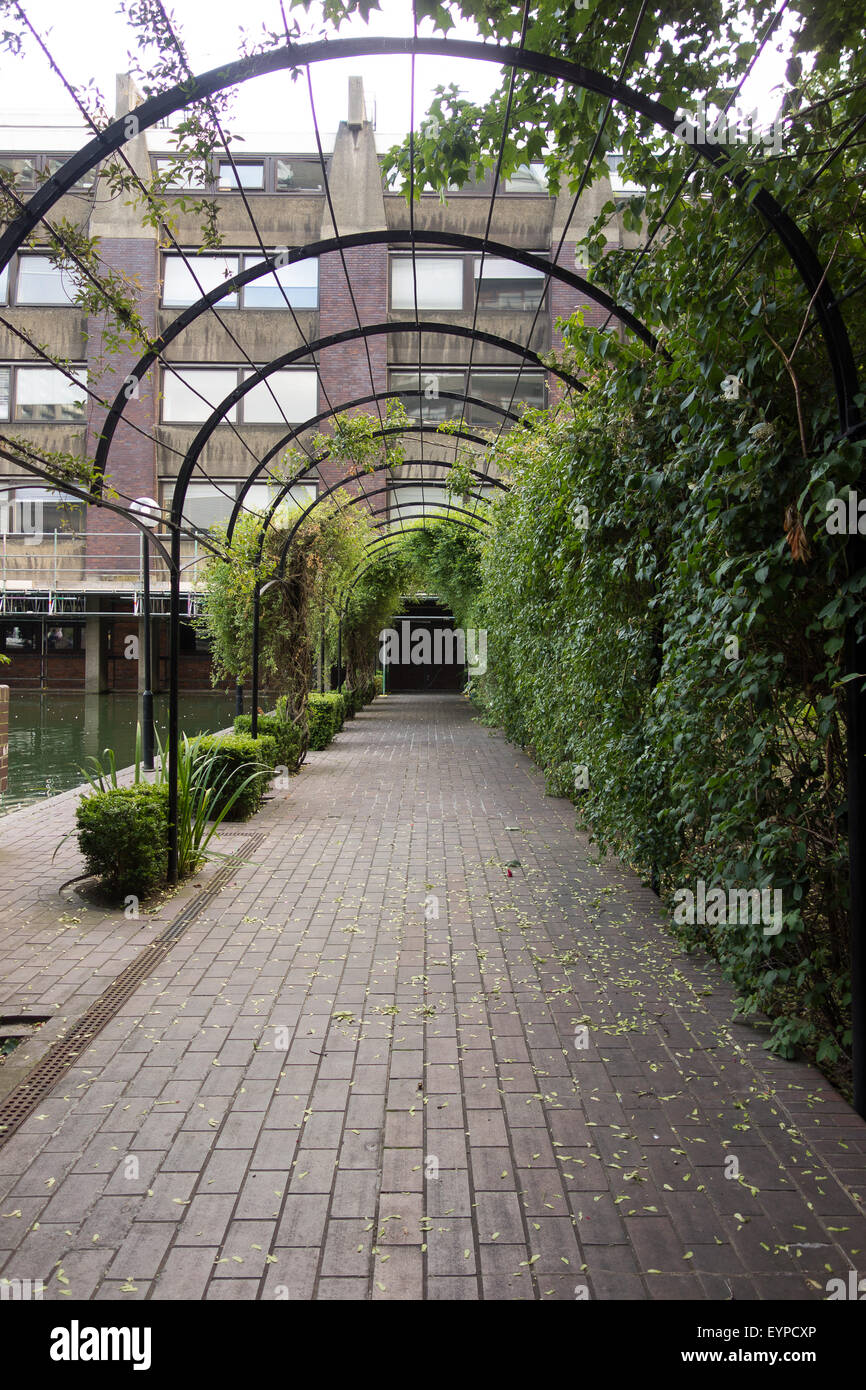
70, 575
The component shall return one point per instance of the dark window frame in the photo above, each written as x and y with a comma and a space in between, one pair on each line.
398, 253
78, 630
239, 369
460, 368
15, 367
211, 187
242, 255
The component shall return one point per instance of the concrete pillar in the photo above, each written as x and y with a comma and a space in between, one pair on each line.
95, 656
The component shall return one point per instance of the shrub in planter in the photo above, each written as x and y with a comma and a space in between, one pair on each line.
242, 769
325, 715
122, 834
287, 736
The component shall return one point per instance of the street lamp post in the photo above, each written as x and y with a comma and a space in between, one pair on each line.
147, 510
258, 591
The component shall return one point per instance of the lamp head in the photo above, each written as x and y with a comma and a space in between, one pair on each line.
147, 510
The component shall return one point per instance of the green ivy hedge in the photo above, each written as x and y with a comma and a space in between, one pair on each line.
122, 834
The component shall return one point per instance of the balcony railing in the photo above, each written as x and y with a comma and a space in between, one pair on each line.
75, 562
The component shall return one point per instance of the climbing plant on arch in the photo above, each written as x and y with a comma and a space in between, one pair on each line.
728, 193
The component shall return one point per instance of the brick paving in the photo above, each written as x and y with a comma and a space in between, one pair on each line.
376, 1066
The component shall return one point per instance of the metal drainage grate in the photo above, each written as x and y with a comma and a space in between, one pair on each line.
20, 1102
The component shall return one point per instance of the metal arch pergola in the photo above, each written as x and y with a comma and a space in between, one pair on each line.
386, 542
299, 477
316, 249
443, 511
296, 56
515, 58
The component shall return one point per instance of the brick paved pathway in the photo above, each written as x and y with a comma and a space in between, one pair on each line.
323, 1094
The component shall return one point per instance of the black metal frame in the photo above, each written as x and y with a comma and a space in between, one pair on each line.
819, 292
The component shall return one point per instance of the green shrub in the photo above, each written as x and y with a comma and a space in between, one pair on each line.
123, 835
325, 714
242, 769
287, 736
354, 700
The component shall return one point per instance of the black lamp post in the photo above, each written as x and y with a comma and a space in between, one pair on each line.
147, 510
258, 590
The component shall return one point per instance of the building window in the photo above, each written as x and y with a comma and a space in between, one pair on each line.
507, 284
179, 287
63, 638
18, 170
297, 283
268, 174
429, 403
40, 281
35, 512
5, 391
439, 280
190, 395
497, 387
529, 178
289, 395
28, 171
243, 174
181, 174
46, 394
298, 176
211, 504
451, 282
431, 407
429, 499
4, 284
296, 393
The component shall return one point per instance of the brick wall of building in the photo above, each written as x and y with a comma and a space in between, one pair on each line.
113, 544
345, 370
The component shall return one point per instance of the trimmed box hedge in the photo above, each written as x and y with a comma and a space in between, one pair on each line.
325, 715
288, 737
239, 756
123, 835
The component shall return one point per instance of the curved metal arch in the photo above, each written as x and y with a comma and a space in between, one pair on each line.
315, 249
359, 497
346, 335
294, 56
454, 514
325, 415
385, 543
357, 477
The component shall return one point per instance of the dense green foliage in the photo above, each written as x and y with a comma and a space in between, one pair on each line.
122, 833
325, 715
666, 609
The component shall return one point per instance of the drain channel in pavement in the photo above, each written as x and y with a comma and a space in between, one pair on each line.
68, 1049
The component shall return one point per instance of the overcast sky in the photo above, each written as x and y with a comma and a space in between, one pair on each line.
91, 40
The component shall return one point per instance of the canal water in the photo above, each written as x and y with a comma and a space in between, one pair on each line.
51, 735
